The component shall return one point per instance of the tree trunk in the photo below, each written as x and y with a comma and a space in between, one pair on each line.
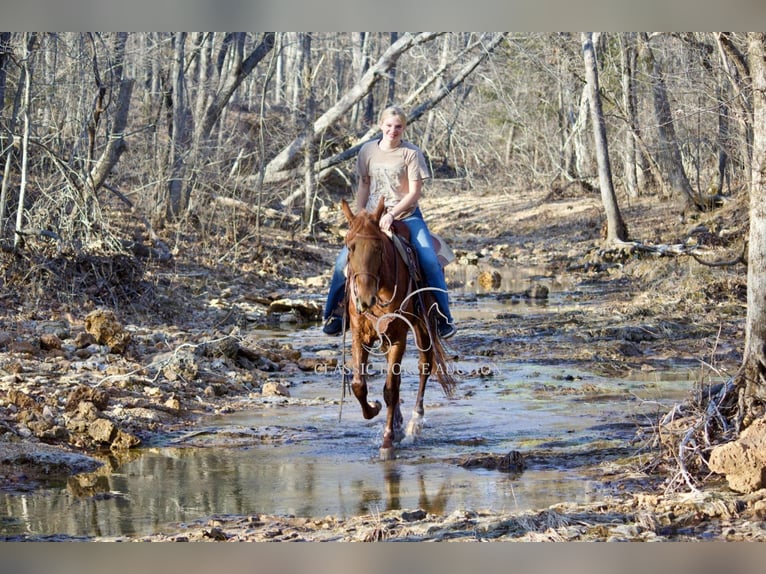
26, 101
428, 130
5, 53
116, 138
737, 70
230, 82
5, 57
670, 153
628, 54
391, 93
616, 229
360, 61
582, 155
567, 124
309, 153
179, 139
722, 142
752, 382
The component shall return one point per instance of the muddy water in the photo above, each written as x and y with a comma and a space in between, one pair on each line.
313, 455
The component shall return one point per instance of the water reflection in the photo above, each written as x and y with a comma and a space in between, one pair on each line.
372, 500
173, 486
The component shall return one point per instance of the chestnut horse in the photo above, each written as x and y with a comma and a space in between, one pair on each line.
384, 304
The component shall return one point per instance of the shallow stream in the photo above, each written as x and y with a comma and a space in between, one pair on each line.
306, 456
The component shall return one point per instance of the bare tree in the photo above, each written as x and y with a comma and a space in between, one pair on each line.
7, 146
628, 60
177, 200
616, 229
309, 153
670, 153
116, 145
737, 71
27, 127
752, 381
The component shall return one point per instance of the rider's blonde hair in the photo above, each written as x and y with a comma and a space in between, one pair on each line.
393, 111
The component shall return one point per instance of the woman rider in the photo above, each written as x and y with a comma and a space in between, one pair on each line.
394, 169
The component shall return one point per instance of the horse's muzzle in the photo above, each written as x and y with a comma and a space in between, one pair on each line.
364, 304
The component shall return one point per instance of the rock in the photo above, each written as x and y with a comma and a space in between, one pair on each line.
173, 403
23, 348
272, 389
99, 398
107, 330
58, 328
413, 515
84, 339
513, 461
49, 341
490, 279
537, 291
223, 347
317, 364
743, 461
87, 411
5, 339
124, 441
181, 366
216, 390
102, 430
21, 399
308, 310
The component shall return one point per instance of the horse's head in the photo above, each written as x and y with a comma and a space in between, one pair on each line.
365, 242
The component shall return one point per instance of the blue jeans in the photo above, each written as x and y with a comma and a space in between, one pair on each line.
429, 263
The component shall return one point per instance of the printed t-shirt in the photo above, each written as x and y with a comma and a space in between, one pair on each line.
390, 172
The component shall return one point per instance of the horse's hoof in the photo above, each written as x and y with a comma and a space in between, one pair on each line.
387, 453
415, 426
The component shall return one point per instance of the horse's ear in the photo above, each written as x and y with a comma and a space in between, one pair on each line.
346, 210
379, 210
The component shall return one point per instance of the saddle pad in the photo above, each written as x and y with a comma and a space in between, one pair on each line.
443, 251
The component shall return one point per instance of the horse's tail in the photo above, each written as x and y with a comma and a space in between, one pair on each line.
443, 363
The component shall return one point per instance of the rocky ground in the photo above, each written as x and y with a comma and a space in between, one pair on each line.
180, 342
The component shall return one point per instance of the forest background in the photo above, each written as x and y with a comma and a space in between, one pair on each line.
121, 151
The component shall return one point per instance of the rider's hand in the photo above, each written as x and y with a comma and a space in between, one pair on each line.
386, 221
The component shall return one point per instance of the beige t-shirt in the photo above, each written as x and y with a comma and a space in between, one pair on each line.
390, 172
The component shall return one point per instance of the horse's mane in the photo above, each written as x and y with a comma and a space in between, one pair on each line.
363, 219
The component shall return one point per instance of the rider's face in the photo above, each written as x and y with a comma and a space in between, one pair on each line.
392, 128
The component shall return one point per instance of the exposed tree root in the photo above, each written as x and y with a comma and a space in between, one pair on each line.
686, 435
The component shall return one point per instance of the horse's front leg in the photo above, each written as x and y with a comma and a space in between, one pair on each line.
393, 430
359, 356
425, 366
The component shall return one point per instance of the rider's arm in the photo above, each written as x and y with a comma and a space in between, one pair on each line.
362, 192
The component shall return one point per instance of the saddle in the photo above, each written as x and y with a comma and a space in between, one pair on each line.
400, 235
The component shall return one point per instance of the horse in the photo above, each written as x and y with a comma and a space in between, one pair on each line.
383, 305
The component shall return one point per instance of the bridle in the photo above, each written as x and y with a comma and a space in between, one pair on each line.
356, 274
